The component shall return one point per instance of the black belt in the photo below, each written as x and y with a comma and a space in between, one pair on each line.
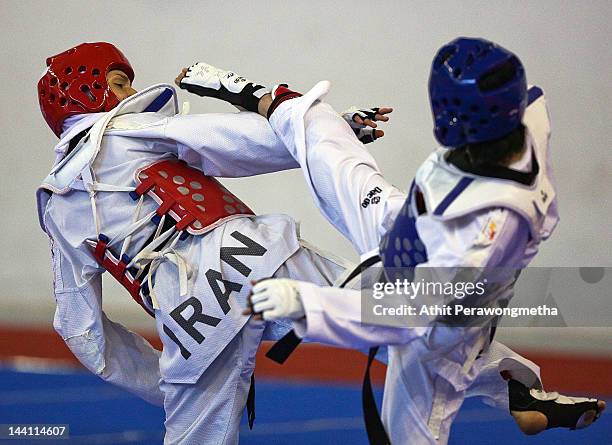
250, 404
373, 423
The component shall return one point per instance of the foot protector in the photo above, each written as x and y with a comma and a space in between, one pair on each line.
561, 411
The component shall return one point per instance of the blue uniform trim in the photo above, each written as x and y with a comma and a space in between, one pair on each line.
533, 93
159, 101
456, 191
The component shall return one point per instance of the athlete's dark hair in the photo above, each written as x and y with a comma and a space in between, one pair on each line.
494, 152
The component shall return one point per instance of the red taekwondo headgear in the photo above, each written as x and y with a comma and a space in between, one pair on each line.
75, 82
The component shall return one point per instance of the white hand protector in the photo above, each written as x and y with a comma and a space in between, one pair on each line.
364, 133
206, 80
277, 298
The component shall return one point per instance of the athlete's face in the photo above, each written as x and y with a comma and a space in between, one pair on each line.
120, 84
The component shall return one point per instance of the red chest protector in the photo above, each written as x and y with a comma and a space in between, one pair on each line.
197, 203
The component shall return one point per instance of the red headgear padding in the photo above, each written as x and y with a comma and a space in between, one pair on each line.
75, 82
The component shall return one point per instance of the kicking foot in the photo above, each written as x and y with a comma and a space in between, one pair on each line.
535, 411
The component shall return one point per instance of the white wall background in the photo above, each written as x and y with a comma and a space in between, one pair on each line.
375, 53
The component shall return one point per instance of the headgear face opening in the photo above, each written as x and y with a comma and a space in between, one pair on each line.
478, 92
75, 82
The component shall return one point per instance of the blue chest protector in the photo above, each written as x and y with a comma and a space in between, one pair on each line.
401, 247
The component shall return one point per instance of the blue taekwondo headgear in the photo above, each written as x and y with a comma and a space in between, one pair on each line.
478, 92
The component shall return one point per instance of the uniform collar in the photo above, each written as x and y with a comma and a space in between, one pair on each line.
160, 98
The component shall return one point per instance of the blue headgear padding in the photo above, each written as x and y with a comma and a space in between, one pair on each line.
401, 248
478, 92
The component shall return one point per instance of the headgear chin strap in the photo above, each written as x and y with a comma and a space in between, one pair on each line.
75, 82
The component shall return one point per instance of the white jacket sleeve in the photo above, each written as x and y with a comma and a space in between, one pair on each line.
106, 348
333, 316
229, 144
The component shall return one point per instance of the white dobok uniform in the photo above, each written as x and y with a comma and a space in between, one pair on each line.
202, 377
474, 222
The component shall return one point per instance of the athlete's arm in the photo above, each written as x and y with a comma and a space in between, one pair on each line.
333, 316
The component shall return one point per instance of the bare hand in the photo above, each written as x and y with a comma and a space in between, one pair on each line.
180, 77
380, 116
